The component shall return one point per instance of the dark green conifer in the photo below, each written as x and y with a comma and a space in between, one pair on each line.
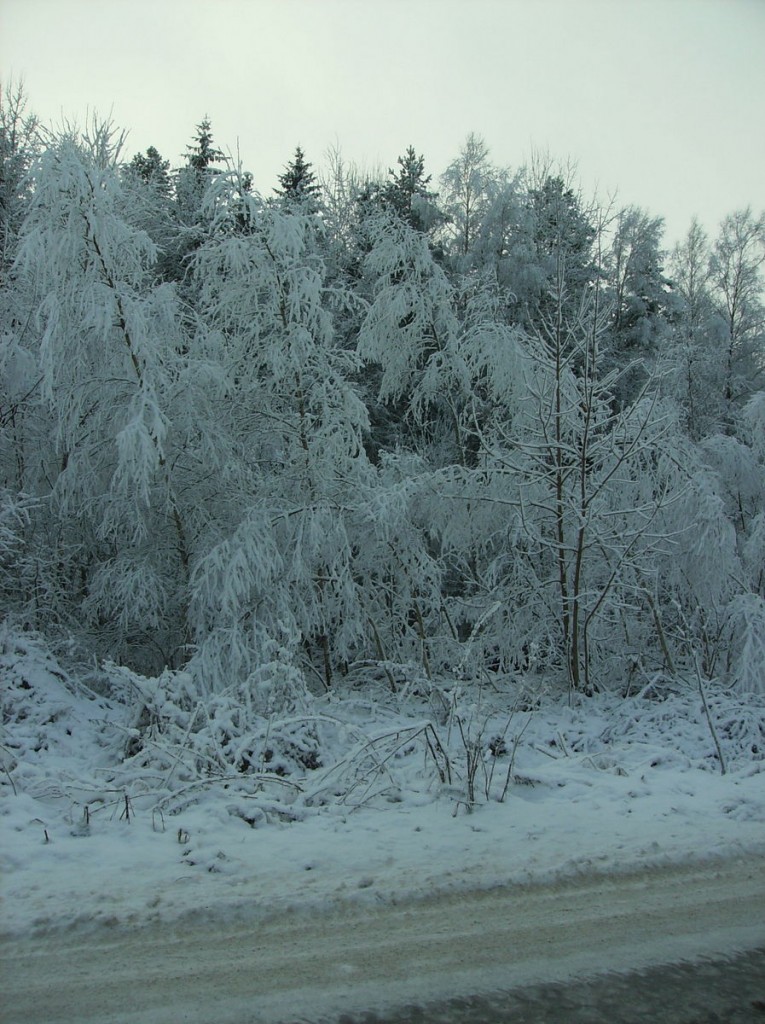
298, 183
408, 195
151, 169
202, 155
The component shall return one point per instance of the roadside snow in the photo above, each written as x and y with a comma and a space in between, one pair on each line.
608, 787
129, 874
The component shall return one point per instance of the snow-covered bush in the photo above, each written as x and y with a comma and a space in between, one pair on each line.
56, 731
748, 642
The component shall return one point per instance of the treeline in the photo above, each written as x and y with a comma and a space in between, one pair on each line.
465, 428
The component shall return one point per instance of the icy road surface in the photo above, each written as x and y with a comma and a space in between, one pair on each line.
357, 958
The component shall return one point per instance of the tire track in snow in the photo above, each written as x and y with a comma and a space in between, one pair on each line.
355, 957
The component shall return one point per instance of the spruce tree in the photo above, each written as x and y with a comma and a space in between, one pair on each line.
202, 155
298, 184
152, 170
191, 183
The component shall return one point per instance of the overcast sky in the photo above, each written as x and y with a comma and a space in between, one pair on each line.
660, 100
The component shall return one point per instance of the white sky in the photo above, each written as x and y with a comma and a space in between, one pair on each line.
660, 100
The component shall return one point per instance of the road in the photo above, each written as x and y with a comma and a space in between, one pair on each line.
363, 957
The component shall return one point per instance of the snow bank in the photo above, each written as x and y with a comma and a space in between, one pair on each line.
608, 786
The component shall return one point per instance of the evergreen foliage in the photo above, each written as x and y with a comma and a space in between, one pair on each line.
152, 170
202, 155
407, 194
191, 220
298, 183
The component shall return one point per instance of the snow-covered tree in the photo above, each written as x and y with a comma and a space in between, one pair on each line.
408, 334
467, 190
342, 184
151, 169
19, 143
407, 194
563, 237
505, 252
569, 492
298, 184
736, 273
191, 183
280, 558
640, 298
694, 360
106, 349
154, 209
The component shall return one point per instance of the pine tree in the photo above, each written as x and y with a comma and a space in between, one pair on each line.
561, 260
193, 179
562, 229
407, 193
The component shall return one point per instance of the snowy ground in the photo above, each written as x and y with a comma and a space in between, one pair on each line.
572, 818
610, 787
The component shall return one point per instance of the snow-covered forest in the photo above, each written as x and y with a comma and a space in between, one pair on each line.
278, 455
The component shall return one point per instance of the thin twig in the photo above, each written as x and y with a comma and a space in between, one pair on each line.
713, 731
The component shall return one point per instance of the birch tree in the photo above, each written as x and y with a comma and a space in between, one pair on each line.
694, 360
736, 272
467, 188
571, 493
280, 561
108, 342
